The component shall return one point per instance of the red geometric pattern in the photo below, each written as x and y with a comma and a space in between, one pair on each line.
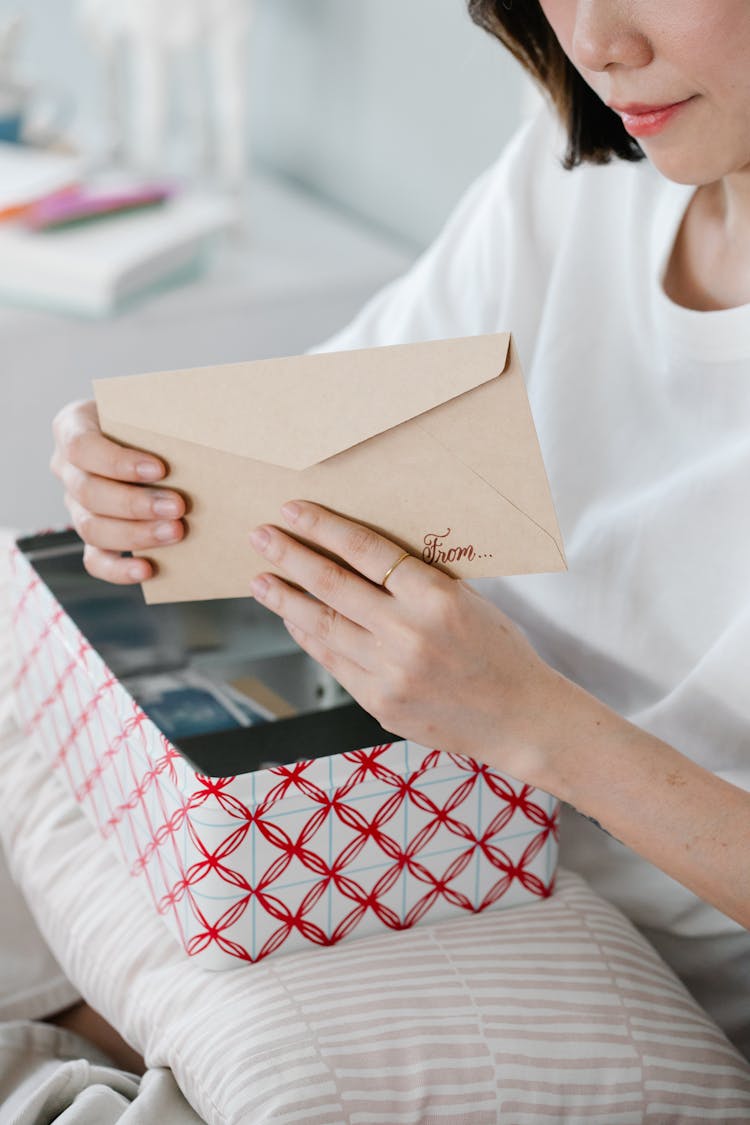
284, 858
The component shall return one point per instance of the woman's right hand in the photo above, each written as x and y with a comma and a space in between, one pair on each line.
105, 495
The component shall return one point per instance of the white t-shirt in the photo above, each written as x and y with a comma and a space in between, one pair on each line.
643, 414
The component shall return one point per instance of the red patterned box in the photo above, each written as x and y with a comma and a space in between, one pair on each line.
343, 844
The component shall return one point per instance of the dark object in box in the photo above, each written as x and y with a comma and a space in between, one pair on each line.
209, 648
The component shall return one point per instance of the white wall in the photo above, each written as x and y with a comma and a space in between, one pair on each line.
387, 107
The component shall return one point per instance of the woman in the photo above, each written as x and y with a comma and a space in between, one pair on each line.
621, 686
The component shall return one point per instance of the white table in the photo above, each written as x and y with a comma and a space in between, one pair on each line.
299, 274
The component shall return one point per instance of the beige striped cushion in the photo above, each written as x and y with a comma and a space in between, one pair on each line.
554, 1012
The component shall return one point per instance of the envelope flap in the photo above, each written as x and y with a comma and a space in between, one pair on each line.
265, 409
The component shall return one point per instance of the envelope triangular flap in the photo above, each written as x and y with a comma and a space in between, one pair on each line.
297, 411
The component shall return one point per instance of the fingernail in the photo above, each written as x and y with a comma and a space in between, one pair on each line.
260, 538
137, 573
260, 587
166, 507
165, 531
291, 512
148, 470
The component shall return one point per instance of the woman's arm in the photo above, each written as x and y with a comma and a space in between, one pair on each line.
676, 814
437, 663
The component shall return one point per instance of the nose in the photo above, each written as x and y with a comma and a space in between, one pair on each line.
605, 34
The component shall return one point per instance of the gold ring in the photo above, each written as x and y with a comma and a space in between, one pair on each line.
391, 569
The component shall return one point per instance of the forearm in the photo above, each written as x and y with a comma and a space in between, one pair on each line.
682, 818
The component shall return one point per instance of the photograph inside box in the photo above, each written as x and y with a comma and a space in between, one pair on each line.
260, 806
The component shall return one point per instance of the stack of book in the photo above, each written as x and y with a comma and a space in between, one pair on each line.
88, 247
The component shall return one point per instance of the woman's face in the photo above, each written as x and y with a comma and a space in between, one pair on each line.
686, 60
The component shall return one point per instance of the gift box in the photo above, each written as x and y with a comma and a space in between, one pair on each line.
263, 810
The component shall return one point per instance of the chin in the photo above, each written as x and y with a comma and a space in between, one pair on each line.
699, 155
686, 168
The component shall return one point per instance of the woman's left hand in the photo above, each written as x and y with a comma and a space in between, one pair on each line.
427, 656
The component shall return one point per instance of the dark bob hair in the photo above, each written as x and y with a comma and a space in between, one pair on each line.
595, 132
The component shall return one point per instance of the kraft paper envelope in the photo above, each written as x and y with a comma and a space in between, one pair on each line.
432, 444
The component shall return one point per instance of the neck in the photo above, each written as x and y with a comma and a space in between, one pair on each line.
732, 203
710, 264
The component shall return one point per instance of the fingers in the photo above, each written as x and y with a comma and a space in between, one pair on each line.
112, 567
123, 501
109, 507
80, 442
330, 583
364, 550
318, 622
122, 535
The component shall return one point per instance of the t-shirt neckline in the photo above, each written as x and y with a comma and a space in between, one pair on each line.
718, 336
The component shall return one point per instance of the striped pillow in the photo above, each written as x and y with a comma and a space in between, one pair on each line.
553, 1012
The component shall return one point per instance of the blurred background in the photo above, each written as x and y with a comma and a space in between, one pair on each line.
185, 182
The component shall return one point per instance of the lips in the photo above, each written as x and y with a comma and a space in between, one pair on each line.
647, 120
